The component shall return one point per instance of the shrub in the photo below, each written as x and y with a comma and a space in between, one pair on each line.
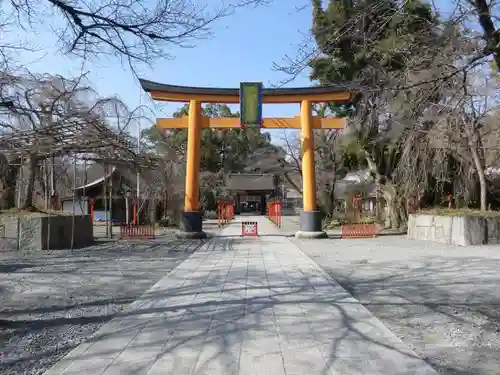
165, 221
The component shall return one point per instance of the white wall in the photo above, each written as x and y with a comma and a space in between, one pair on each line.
67, 206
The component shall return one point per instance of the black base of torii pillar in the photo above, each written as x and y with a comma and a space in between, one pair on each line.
311, 225
191, 226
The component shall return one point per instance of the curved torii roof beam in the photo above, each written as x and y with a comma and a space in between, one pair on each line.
172, 93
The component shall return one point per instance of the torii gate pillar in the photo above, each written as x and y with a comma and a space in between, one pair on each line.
310, 218
191, 219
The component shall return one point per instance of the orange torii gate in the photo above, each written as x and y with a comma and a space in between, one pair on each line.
251, 104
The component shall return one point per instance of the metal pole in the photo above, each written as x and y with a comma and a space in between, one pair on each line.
138, 175
46, 183
85, 208
51, 195
73, 205
110, 232
21, 179
105, 198
127, 209
21, 182
52, 178
53, 160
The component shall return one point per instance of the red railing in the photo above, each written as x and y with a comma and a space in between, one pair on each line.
275, 212
249, 228
225, 211
358, 230
137, 231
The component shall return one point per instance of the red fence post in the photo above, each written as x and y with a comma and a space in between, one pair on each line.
271, 207
280, 213
92, 202
273, 211
226, 211
134, 210
218, 212
222, 209
276, 212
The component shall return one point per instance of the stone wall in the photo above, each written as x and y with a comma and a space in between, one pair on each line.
8, 233
39, 232
455, 230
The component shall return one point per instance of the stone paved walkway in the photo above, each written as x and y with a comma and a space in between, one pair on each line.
244, 306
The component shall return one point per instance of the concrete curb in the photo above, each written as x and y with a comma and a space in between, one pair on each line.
311, 235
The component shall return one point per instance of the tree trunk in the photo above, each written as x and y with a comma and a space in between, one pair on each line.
378, 188
478, 165
331, 196
165, 205
152, 210
394, 218
483, 191
30, 185
8, 178
393, 208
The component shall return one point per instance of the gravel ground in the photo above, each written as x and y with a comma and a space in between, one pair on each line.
441, 300
51, 301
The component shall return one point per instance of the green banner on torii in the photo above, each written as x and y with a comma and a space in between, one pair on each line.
251, 104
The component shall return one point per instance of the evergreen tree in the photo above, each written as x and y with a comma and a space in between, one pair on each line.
370, 45
221, 150
363, 40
